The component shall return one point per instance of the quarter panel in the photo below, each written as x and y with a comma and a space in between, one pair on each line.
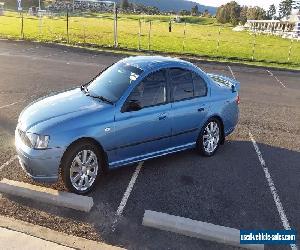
224, 105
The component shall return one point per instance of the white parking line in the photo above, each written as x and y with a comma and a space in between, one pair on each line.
43, 58
11, 104
280, 81
273, 189
8, 162
231, 72
271, 74
127, 194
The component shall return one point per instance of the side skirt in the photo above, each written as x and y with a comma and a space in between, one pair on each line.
128, 161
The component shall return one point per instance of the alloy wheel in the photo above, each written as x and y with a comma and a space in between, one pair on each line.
211, 137
83, 170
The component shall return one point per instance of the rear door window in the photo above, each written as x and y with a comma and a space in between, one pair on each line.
182, 84
200, 87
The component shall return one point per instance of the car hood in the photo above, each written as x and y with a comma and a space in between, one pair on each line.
58, 107
225, 81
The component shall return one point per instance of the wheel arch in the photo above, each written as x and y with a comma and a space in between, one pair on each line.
90, 140
217, 117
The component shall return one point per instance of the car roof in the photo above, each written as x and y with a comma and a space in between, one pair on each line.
146, 63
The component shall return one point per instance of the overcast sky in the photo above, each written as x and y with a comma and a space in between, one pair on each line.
262, 3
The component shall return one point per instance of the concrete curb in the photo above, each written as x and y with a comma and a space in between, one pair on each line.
53, 236
193, 228
47, 195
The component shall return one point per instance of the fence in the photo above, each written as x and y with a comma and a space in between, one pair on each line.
146, 34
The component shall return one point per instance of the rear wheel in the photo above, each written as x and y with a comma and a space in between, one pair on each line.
209, 138
81, 167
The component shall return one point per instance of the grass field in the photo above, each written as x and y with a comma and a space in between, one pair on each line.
201, 36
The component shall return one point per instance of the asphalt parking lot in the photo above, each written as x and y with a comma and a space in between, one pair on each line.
230, 189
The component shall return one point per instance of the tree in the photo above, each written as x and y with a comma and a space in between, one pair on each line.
184, 13
222, 15
229, 13
206, 13
243, 14
195, 11
124, 4
256, 13
152, 10
271, 12
235, 11
285, 8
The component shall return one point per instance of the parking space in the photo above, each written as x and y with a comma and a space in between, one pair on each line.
218, 190
288, 79
276, 127
229, 189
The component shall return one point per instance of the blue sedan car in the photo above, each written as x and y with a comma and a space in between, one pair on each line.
138, 108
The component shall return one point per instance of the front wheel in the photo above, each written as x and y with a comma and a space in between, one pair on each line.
209, 138
81, 167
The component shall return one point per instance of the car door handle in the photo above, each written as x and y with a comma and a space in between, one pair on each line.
162, 117
201, 109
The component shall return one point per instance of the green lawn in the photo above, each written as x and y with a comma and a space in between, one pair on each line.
202, 36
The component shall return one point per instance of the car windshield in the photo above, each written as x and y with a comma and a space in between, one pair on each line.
112, 83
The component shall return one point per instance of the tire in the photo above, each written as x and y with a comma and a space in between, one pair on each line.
209, 142
81, 167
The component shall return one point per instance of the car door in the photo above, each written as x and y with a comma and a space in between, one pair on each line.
189, 105
143, 124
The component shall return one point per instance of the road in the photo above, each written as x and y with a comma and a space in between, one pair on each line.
231, 189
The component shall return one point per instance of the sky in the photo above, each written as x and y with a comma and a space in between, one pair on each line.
261, 3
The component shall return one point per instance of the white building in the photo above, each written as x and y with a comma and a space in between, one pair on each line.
288, 27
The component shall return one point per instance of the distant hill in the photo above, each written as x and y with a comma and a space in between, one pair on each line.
174, 5
162, 5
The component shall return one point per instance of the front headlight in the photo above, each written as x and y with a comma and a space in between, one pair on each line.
38, 141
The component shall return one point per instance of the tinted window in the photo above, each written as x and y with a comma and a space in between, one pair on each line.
114, 81
151, 91
200, 88
182, 84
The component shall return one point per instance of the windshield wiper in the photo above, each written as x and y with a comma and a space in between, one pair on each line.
84, 88
102, 98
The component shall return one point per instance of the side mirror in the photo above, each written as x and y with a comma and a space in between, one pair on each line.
132, 105
233, 88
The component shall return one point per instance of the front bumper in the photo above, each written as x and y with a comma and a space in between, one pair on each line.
40, 165
43, 179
